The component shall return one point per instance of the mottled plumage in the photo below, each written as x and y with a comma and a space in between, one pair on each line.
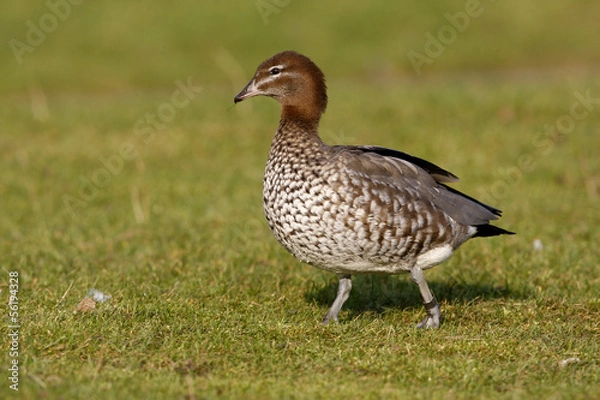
356, 209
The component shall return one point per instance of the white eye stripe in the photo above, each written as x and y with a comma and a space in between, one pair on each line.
265, 81
269, 78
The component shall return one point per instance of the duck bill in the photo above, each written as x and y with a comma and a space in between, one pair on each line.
249, 91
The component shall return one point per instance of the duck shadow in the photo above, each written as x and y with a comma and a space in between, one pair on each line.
376, 293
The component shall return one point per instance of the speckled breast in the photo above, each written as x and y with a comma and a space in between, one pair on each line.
342, 224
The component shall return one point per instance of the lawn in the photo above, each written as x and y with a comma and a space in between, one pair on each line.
127, 169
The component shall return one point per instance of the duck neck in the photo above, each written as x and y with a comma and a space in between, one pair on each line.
302, 112
297, 135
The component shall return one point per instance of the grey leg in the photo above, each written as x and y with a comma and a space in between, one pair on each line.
431, 305
343, 292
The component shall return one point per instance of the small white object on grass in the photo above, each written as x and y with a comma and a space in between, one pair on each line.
98, 296
538, 245
568, 361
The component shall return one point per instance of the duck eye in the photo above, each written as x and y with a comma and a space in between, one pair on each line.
275, 71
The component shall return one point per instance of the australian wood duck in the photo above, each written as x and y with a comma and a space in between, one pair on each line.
356, 209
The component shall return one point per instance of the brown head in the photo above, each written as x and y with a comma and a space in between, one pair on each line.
294, 81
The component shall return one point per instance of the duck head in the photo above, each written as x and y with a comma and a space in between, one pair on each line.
294, 81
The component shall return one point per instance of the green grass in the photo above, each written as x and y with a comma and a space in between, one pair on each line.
205, 303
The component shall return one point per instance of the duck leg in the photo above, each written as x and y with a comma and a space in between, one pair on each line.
343, 292
431, 305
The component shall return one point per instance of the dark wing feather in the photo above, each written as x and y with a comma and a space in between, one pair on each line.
439, 174
405, 170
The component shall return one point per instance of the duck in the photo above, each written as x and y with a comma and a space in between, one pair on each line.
351, 209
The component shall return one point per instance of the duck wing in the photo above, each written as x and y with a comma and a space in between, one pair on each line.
403, 171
